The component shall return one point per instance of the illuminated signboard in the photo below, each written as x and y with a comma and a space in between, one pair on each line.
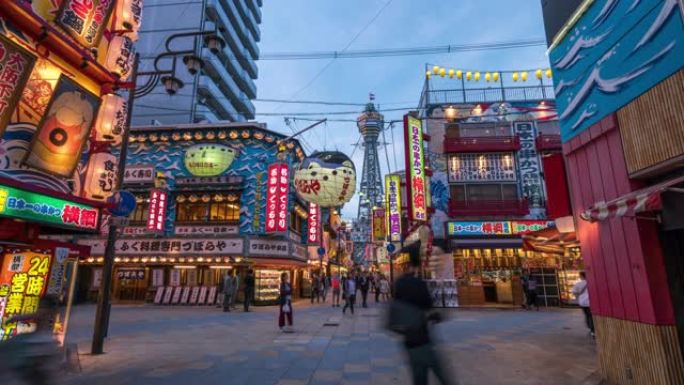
208, 159
277, 198
157, 214
15, 69
85, 20
393, 206
379, 221
496, 228
415, 164
20, 204
23, 280
314, 221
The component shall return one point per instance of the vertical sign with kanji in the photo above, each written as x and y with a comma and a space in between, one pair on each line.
393, 206
157, 215
85, 20
415, 166
529, 165
314, 221
272, 198
283, 195
379, 229
23, 280
15, 69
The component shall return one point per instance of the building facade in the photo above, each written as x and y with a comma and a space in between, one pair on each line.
497, 175
211, 199
618, 75
224, 88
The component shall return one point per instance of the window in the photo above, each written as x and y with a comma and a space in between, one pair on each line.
216, 208
551, 127
141, 212
483, 130
482, 167
484, 192
296, 223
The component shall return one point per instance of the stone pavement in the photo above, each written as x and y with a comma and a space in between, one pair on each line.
201, 345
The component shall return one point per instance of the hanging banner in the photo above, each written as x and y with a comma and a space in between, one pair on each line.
314, 222
283, 195
277, 198
415, 166
157, 215
379, 228
15, 69
393, 206
85, 20
529, 165
530, 226
100, 178
59, 139
256, 217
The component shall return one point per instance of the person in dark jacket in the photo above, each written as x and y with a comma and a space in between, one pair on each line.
249, 289
411, 289
364, 286
285, 304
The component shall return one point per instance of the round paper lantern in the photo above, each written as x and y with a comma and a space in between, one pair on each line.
495, 76
515, 76
539, 74
208, 159
488, 77
549, 73
128, 17
327, 179
477, 76
435, 70
111, 118
451, 73
428, 74
523, 76
120, 56
100, 178
442, 72
459, 74
469, 75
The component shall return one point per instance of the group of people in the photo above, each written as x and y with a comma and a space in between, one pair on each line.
229, 287
364, 283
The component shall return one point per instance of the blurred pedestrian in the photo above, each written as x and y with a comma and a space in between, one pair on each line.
384, 288
532, 293
335, 284
410, 314
236, 288
314, 288
349, 294
249, 289
364, 286
321, 288
285, 304
581, 292
375, 285
227, 291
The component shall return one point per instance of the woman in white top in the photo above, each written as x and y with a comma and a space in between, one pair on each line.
581, 292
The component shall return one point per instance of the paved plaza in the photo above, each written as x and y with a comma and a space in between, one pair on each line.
201, 345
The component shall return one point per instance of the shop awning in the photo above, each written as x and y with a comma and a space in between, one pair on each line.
647, 199
549, 240
278, 262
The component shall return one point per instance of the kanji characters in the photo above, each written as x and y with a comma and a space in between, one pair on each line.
71, 214
19, 282
35, 285
14, 303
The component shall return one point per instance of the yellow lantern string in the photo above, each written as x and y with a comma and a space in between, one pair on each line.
451, 73
442, 72
539, 74
459, 74
549, 73
515, 76
469, 75
488, 77
428, 74
495, 76
477, 76
523, 76
435, 70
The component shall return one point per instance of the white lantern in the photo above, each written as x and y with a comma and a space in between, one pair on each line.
128, 17
100, 178
111, 119
120, 56
327, 179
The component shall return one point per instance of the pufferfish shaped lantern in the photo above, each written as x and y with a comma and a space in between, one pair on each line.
326, 178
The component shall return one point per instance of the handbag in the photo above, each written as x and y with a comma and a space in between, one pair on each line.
286, 308
405, 318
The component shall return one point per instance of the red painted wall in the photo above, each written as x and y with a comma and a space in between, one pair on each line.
558, 199
622, 256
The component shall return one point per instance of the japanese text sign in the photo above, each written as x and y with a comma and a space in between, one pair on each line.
415, 166
85, 20
379, 221
168, 246
157, 214
478, 228
268, 247
393, 206
314, 221
530, 226
15, 69
32, 206
23, 280
139, 174
278, 187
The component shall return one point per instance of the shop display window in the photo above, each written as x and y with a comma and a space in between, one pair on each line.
140, 214
207, 210
267, 285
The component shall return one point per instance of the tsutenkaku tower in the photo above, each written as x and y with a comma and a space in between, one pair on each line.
370, 124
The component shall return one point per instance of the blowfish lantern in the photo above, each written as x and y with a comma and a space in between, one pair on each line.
327, 179
208, 159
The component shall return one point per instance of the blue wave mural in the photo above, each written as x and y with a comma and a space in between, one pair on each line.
615, 52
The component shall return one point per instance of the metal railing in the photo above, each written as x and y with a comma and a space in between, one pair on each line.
482, 144
488, 207
489, 95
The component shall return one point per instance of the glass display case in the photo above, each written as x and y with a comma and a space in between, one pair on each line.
267, 286
566, 280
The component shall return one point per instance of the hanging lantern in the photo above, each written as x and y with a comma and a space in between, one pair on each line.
199, 135
120, 56
435, 70
128, 17
469, 75
210, 135
222, 135
245, 134
428, 74
233, 135
269, 139
100, 178
442, 72
187, 136
515, 76
451, 74
164, 137
549, 73
258, 135
459, 74
327, 179
495, 76
206, 198
477, 76
176, 136
488, 77
539, 74
523, 76
111, 118
154, 137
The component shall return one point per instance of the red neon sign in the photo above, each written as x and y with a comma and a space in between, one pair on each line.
157, 216
277, 193
314, 233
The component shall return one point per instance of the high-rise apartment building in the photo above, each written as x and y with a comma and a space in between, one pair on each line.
224, 88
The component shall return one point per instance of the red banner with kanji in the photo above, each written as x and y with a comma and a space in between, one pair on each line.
314, 221
157, 214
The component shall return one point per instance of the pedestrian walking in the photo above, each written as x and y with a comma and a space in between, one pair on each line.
324, 287
335, 283
285, 304
409, 315
249, 289
532, 293
350, 294
364, 286
314, 288
384, 288
236, 289
375, 284
581, 292
227, 291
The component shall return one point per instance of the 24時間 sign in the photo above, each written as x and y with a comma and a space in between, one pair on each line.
30, 206
314, 221
415, 164
157, 215
393, 206
277, 198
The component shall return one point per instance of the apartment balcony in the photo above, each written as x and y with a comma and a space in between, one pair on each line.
488, 95
252, 23
216, 100
217, 13
549, 143
239, 24
230, 89
488, 208
482, 144
255, 9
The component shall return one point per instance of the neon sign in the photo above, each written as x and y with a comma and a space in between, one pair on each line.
393, 206
314, 233
157, 215
415, 164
